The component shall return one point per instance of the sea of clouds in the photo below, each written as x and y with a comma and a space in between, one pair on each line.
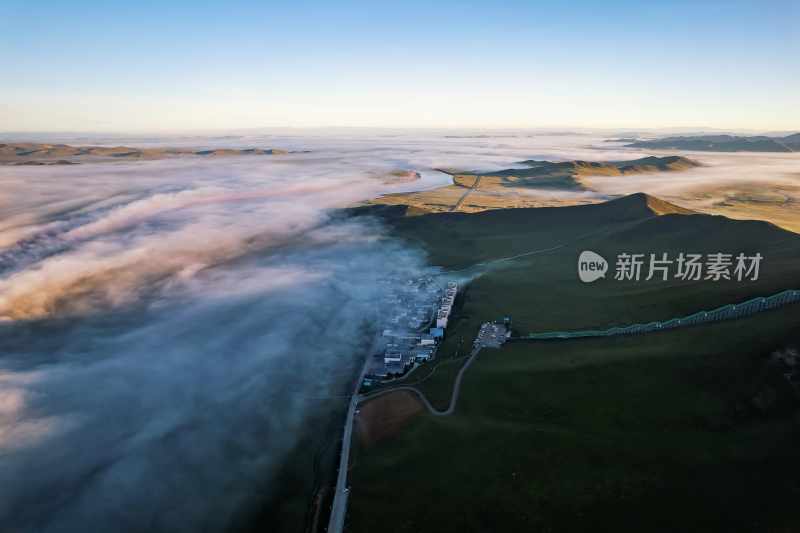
166, 327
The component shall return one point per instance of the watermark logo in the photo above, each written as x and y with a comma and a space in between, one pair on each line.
591, 266
717, 266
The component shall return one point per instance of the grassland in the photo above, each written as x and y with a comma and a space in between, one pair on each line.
775, 202
568, 175
631, 434
651, 433
541, 292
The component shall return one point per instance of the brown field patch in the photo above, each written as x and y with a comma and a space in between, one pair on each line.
385, 416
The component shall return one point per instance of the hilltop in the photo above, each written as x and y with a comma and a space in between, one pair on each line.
459, 240
655, 206
723, 143
64, 154
530, 185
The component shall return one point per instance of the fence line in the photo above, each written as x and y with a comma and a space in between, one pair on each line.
726, 312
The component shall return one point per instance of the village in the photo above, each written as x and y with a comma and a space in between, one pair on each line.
415, 327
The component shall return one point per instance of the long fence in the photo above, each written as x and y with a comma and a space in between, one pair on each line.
726, 312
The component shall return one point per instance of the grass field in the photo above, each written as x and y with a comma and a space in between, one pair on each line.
649, 433
542, 292
652, 433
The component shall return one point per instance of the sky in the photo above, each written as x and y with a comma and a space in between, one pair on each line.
180, 66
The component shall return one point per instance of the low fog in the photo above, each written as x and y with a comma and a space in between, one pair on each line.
717, 171
168, 326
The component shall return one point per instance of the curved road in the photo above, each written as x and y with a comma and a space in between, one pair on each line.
453, 398
340, 496
464, 196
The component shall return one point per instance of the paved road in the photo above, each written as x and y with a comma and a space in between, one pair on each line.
339, 509
464, 196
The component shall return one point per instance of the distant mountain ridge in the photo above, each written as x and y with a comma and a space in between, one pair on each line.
53, 154
724, 143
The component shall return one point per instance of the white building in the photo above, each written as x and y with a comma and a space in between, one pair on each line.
441, 318
392, 356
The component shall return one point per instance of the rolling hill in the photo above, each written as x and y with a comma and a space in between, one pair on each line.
531, 185
687, 430
568, 174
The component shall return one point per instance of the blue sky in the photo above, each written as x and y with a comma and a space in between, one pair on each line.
124, 66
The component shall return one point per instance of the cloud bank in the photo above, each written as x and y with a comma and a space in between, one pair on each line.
168, 333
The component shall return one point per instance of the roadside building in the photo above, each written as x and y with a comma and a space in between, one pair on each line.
422, 353
441, 319
396, 369
392, 356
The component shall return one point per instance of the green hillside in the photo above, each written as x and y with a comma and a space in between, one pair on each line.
657, 432
635, 434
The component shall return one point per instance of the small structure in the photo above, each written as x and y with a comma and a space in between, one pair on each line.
422, 353
491, 335
441, 318
396, 369
437, 333
427, 340
392, 356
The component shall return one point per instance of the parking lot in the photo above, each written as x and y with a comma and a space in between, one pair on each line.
491, 335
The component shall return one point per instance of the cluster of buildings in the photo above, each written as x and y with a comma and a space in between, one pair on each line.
415, 326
